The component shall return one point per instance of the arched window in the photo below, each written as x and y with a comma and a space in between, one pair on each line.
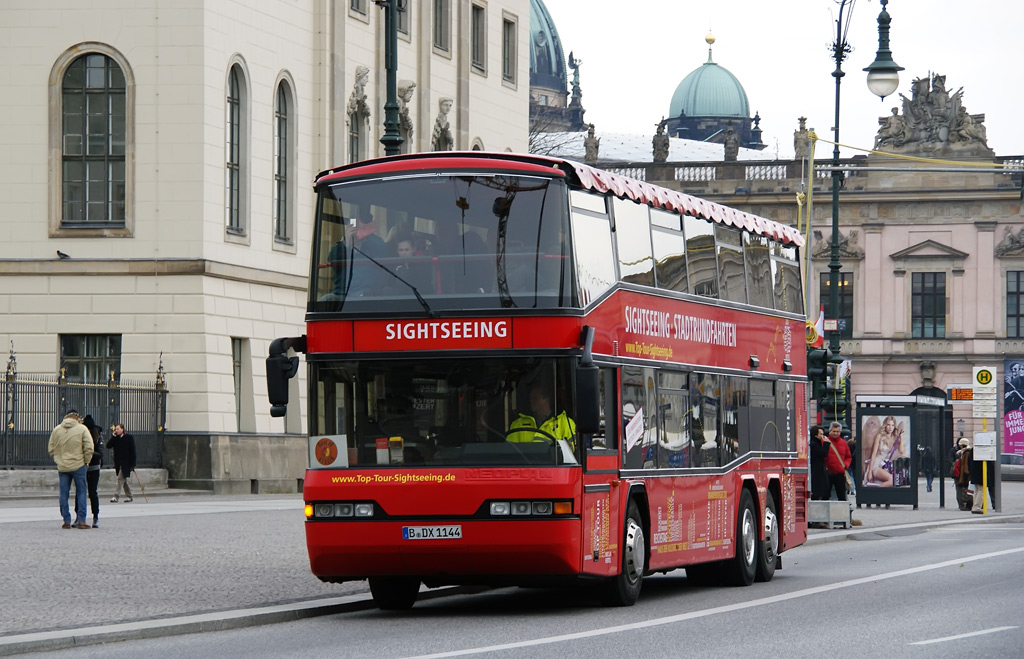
236, 152
283, 165
94, 142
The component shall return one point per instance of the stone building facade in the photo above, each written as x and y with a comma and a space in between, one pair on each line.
932, 254
156, 177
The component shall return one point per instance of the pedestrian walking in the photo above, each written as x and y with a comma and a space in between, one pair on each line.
123, 446
92, 472
927, 465
71, 448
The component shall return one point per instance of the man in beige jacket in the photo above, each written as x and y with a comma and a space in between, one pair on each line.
71, 448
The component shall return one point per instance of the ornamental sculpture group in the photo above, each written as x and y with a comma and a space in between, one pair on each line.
933, 120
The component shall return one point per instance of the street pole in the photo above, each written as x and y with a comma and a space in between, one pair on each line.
392, 139
882, 79
839, 51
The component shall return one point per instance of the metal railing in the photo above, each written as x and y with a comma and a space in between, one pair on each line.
31, 405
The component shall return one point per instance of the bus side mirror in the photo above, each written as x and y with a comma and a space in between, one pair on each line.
588, 406
280, 369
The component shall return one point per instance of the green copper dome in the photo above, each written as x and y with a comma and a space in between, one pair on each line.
710, 91
547, 61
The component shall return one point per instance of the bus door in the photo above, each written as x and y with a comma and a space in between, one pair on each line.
601, 518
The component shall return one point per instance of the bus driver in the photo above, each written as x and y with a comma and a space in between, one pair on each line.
559, 425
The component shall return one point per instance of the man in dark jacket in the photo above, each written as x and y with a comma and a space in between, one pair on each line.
123, 446
92, 475
819, 477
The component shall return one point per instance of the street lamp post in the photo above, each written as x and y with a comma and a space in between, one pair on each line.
883, 79
392, 138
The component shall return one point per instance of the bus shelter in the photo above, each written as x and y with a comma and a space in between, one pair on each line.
894, 434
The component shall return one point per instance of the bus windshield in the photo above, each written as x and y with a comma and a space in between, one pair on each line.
442, 242
446, 412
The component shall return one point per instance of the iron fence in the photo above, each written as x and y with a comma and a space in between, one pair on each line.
32, 405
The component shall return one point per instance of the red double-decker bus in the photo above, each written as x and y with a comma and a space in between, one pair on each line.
525, 370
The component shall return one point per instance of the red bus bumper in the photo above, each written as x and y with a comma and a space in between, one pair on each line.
349, 550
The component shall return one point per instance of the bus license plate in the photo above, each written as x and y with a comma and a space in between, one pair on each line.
432, 532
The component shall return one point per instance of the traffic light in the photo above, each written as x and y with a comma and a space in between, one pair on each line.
831, 377
817, 367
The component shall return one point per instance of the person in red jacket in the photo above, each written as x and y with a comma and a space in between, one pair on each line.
836, 465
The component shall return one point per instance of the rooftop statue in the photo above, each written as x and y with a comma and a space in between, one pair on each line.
590, 146
933, 120
660, 143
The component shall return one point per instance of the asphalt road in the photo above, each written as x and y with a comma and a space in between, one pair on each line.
949, 591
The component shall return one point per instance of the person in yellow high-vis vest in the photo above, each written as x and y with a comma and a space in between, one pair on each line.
559, 426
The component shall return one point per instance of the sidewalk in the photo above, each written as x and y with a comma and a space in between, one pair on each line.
928, 512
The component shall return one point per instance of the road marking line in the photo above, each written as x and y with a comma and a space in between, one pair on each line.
774, 599
959, 636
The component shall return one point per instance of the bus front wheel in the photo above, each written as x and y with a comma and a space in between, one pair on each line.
624, 588
741, 569
394, 593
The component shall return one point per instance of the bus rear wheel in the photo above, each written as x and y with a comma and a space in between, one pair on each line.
624, 588
740, 570
394, 593
768, 549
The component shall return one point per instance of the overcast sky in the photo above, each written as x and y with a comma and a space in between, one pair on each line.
635, 53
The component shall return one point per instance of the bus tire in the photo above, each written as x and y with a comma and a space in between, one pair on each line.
624, 588
740, 570
768, 549
394, 593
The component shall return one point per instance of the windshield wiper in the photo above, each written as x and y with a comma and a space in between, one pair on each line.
423, 303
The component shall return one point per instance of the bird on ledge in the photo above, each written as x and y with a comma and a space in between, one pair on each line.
62, 255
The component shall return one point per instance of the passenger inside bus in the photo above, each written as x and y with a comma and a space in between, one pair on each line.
552, 425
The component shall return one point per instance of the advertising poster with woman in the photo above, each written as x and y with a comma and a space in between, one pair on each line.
886, 451
1013, 407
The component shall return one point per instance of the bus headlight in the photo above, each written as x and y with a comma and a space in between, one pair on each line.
364, 510
541, 507
499, 508
521, 507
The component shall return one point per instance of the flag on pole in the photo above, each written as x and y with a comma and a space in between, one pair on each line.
816, 331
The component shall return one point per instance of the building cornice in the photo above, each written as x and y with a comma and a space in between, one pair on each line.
149, 267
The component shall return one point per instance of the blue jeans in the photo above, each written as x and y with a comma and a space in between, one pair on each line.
78, 476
